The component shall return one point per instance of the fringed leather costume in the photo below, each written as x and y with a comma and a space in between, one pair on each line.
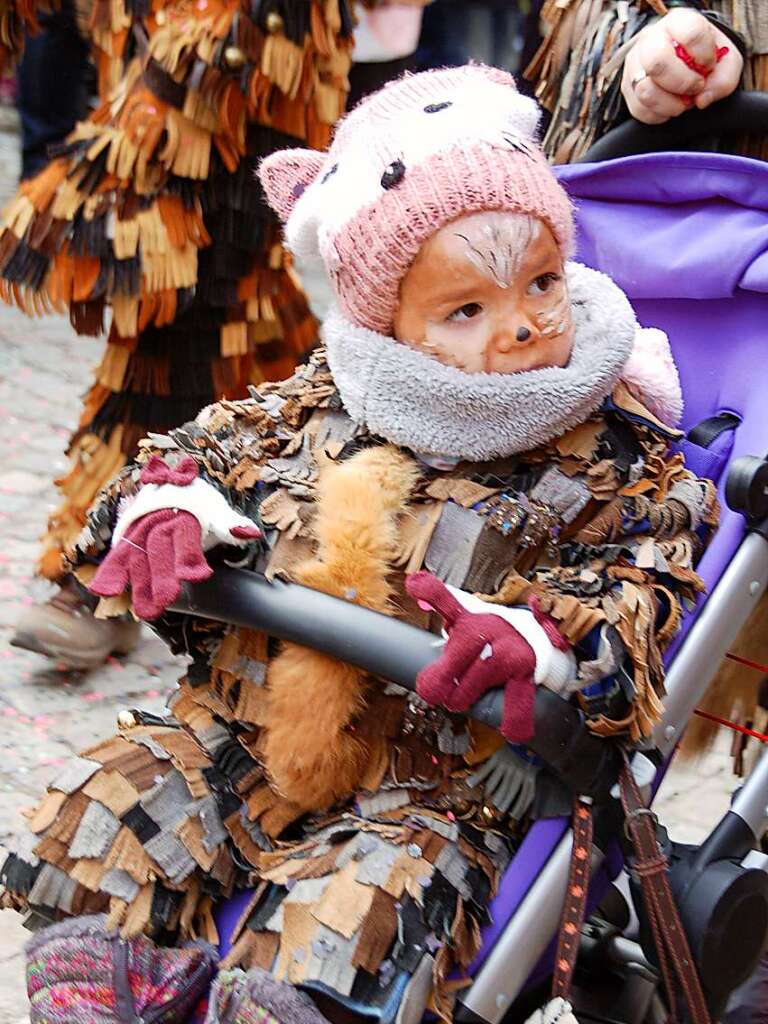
351, 809
151, 220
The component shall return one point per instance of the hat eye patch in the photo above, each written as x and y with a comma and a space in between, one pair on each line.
393, 174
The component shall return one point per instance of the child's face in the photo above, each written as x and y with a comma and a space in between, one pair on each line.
487, 294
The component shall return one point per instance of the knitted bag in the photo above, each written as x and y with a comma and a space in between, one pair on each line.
78, 971
258, 998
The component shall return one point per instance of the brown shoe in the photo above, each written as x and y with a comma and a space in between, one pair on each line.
65, 629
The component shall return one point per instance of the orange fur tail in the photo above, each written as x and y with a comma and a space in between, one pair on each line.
312, 757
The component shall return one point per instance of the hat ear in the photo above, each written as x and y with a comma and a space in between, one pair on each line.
495, 75
285, 176
527, 113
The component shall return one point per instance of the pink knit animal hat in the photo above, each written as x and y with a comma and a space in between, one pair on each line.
416, 155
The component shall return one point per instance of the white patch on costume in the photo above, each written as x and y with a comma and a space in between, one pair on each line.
207, 504
557, 1011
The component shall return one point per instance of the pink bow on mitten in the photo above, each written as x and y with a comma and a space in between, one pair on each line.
482, 652
153, 557
157, 471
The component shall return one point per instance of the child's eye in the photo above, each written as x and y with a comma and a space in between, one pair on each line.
466, 312
542, 284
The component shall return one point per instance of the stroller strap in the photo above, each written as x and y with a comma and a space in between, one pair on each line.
575, 906
650, 867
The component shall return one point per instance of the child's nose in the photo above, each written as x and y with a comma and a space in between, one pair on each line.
514, 333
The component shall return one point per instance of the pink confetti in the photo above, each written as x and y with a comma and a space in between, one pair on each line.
10, 712
153, 693
93, 695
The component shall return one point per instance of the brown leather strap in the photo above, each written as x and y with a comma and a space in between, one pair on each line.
575, 900
650, 866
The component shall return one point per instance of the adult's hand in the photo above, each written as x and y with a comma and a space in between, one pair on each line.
679, 62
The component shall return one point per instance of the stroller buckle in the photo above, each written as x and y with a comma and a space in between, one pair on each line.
631, 815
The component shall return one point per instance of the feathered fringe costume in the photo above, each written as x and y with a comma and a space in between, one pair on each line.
371, 828
152, 213
577, 70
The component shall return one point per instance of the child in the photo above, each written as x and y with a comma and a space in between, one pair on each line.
486, 418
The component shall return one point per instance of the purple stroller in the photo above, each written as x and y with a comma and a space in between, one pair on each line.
686, 236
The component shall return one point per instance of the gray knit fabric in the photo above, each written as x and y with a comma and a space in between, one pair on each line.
75, 774
239, 998
53, 888
452, 546
172, 856
411, 399
95, 832
168, 803
119, 883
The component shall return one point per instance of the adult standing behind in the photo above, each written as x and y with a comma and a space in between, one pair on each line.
601, 63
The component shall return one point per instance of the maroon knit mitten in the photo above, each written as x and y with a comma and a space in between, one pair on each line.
153, 557
482, 652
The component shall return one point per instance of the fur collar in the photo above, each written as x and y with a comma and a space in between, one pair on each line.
410, 399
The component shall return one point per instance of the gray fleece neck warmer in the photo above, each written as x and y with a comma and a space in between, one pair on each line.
411, 399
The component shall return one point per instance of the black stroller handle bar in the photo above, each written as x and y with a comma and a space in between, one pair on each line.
742, 113
397, 652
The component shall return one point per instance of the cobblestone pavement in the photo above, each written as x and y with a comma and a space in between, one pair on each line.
45, 714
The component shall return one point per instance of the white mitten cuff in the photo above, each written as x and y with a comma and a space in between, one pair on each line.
207, 504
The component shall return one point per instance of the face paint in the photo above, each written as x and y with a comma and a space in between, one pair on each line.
497, 243
486, 294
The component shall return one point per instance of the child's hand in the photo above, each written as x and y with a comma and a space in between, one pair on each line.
160, 539
483, 652
680, 61
154, 555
